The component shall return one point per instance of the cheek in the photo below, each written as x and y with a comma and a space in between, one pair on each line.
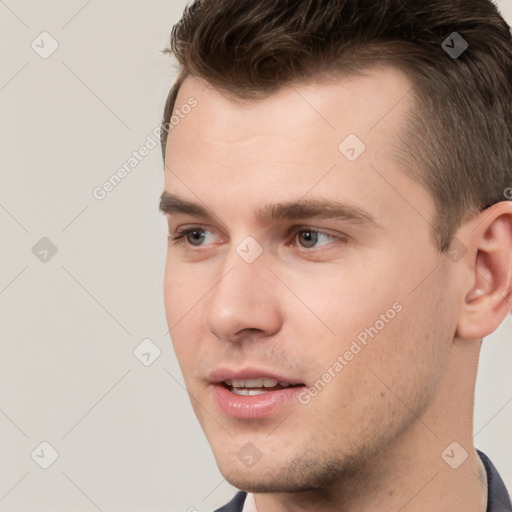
339, 307
396, 372
406, 359
390, 340
182, 305
184, 287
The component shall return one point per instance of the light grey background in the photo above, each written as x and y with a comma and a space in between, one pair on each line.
125, 433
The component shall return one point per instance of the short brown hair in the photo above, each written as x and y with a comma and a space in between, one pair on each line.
458, 136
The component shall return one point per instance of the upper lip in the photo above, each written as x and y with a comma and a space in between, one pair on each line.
220, 375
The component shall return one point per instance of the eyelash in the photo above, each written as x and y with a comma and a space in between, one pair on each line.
180, 237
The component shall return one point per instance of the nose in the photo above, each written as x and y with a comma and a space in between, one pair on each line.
244, 302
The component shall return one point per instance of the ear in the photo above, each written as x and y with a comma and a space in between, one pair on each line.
489, 299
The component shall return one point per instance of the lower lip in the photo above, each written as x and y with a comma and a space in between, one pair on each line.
253, 406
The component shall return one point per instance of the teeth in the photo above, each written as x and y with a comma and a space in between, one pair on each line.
263, 382
247, 392
253, 383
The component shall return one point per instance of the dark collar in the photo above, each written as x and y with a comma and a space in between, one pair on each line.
236, 504
498, 499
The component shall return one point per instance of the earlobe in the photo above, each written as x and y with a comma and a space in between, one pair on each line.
488, 301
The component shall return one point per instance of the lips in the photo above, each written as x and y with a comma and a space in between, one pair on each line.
251, 377
256, 383
252, 393
252, 387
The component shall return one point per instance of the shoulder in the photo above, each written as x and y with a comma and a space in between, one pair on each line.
236, 504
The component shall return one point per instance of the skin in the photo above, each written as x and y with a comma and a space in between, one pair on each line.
372, 439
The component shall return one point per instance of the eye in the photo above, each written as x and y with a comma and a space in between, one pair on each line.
309, 238
194, 236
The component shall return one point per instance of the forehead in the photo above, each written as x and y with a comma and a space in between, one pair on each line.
310, 118
339, 99
331, 135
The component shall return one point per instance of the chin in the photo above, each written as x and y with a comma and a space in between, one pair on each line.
255, 481
277, 475
264, 476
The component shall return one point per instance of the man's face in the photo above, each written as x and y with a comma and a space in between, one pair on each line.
355, 310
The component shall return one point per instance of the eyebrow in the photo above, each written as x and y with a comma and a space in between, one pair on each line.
171, 204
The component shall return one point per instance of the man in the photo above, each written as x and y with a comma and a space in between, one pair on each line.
337, 179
